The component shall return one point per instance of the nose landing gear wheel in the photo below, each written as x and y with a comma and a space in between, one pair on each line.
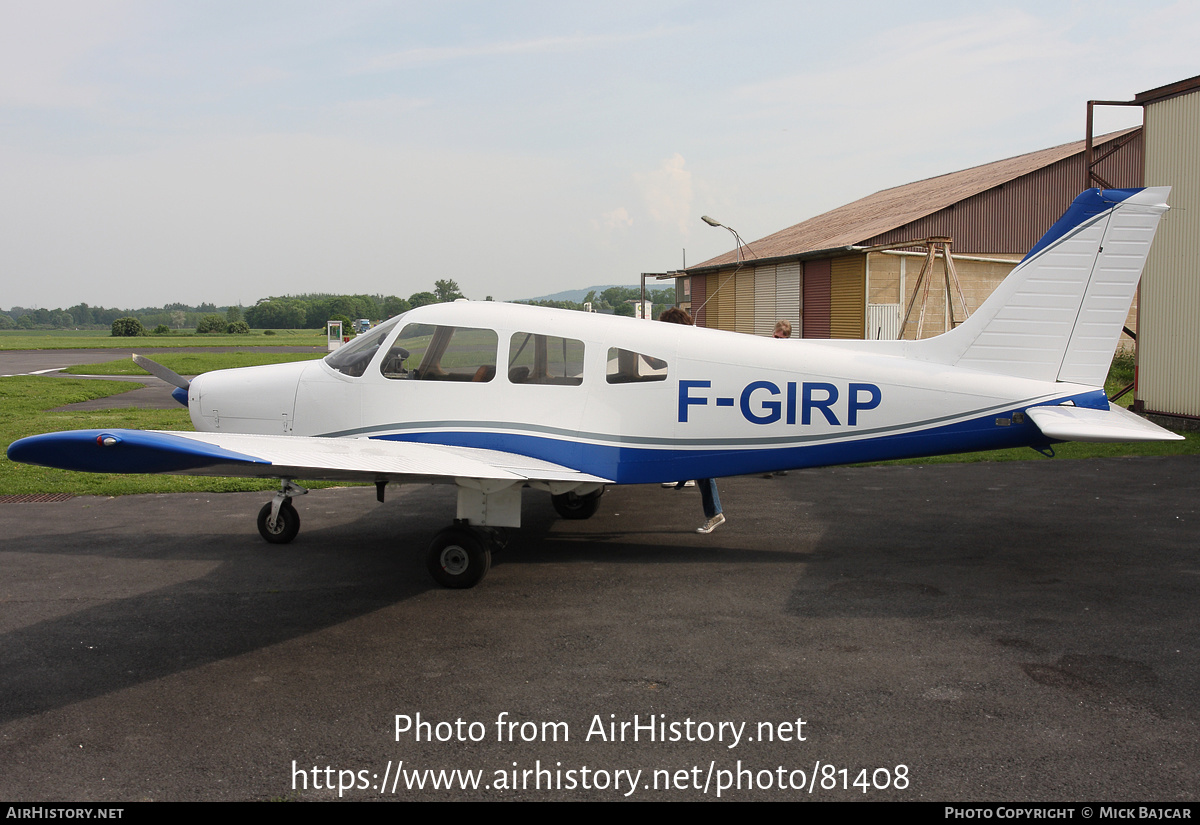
287, 523
458, 557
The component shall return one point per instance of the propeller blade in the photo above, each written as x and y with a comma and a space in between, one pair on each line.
168, 375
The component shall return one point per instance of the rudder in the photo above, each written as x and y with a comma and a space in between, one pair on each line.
1059, 313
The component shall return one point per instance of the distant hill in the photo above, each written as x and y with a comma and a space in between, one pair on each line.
578, 295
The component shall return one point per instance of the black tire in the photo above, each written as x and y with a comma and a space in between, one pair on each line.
287, 524
571, 506
458, 557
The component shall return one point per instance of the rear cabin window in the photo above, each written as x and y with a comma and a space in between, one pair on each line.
545, 359
628, 367
424, 352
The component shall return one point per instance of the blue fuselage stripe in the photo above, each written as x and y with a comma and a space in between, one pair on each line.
640, 465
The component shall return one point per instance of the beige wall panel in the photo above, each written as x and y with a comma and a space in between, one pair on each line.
1169, 338
764, 300
883, 283
978, 280
847, 296
726, 300
743, 291
934, 300
712, 309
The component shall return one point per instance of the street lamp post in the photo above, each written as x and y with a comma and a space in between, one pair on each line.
732, 231
740, 244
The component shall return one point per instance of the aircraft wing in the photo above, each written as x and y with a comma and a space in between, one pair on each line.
1066, 423
267, 456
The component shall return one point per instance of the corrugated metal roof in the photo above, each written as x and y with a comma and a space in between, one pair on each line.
1180, 87
891, 208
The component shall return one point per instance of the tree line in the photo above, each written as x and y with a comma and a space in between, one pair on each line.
617, 300
82, 316
306, 311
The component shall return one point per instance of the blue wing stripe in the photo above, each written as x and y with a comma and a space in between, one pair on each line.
122, 451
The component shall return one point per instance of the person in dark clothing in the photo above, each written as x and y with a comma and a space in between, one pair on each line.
708, 487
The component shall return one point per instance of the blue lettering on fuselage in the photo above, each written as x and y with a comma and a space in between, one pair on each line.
685, 397
763, 402
772, 409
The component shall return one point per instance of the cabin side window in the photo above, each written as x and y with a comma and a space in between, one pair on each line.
425, 352
628, 367
545, 359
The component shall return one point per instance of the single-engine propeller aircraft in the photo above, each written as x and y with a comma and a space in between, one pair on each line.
496, 397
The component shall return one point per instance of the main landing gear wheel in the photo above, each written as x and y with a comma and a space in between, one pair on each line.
459, 557
287, 523
571, 506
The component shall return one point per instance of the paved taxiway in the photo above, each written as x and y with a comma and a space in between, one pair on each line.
153, 394
1019, 631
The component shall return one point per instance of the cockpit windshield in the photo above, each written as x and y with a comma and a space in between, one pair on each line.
352, 359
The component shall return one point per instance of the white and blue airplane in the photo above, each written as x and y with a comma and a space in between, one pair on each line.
496, 397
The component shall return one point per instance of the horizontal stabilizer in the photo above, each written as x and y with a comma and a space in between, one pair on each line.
1066, 423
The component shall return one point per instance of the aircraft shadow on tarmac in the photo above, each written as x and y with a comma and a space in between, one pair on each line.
258, 595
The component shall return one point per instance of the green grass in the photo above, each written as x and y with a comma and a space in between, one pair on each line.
193, 363
16, 339
25, 404
1120, 375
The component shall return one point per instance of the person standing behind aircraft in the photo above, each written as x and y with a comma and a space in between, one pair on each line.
708, 487
783, 329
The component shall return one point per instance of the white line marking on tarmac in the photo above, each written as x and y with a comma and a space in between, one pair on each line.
37, 372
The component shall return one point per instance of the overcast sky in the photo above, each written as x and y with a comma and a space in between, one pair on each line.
226, 151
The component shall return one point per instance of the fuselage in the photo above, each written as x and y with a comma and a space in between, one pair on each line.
634, 401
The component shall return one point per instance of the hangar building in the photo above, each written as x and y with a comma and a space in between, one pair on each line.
829, 277
1169, 306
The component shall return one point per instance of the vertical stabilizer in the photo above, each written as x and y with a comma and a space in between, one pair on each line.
1058, 314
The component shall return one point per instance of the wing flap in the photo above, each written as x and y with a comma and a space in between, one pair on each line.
265, 456
1065, 423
